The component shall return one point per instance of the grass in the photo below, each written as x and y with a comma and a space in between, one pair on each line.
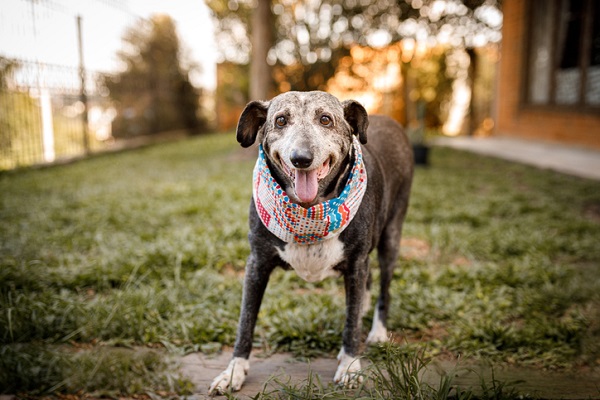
147, 248
97, 372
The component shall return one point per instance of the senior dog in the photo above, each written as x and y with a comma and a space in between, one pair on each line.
323, 199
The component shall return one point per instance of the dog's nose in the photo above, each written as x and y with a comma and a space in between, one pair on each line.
301, 158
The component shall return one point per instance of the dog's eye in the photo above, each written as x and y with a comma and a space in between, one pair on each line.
281, 122
325, 120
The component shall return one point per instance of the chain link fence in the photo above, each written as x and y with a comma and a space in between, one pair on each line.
45, 116
54, 107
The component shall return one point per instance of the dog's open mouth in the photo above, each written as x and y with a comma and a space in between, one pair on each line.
306, 182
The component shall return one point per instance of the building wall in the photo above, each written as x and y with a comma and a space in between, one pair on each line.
569, 126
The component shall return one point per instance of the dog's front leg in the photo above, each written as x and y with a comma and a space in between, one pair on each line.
255, 283
355, 281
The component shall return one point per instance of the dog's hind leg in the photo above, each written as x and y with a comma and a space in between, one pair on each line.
387, 253
348, 373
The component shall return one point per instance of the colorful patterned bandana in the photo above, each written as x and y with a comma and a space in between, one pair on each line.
291, 222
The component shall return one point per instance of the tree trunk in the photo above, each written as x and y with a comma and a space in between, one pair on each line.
262, 41
405, 94
472, 123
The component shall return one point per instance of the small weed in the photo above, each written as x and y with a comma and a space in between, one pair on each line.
496, 390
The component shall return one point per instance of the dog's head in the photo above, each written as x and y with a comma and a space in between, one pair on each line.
306, 137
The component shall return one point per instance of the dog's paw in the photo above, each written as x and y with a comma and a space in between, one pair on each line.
377, 337
348, 373
378, 334
232, 378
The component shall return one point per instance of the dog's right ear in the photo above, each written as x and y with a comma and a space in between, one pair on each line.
252, 119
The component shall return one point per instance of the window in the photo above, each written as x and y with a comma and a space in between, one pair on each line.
563, 57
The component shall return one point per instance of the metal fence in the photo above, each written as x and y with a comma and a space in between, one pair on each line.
49, 112
46, 116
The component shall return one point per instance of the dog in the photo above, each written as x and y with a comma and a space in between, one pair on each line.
330, 185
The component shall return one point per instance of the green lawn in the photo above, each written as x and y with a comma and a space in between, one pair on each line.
147, 248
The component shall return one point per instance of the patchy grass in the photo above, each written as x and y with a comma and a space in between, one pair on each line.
148, 248
97, 372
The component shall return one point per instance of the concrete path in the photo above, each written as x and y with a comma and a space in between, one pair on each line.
201, 369
570, 160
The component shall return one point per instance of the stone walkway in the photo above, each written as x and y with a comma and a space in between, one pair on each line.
201, 369
577, 161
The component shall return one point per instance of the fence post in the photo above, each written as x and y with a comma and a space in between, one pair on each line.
48, 151
47, 124
83, 94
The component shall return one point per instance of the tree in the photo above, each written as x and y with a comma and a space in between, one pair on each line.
313, 35
153, 93
431, 86
262, 40
311, 31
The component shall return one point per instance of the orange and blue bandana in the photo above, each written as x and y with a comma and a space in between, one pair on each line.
293, 223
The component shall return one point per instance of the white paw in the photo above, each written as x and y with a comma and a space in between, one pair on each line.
378, 333
348, 373
232, 378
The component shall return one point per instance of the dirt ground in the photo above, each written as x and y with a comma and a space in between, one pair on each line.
201, 369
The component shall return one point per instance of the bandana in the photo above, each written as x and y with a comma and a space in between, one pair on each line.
293, 223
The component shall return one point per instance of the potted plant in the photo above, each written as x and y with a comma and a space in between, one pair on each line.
416, 135
421, 153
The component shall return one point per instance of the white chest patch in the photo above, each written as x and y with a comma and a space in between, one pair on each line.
314, 262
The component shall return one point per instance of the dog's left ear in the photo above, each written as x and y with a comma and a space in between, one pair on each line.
356, 115
252, 119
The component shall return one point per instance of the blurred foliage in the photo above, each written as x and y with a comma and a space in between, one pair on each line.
311, 39
310, 32
430, 82
232, 20
18, 114
153, 94
233, 83
19, 117
310, 76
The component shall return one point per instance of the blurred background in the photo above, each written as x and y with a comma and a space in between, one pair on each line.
78, 77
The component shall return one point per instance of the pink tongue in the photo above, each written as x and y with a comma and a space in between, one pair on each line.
307, 185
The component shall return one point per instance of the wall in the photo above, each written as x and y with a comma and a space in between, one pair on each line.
569, 126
